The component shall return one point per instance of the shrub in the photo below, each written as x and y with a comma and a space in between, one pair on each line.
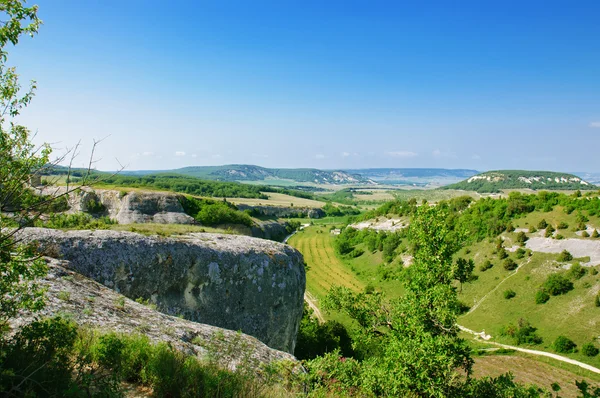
595, 234
557, 284
565, 256
563, 344
576, 271
508, 294
487, 264
589, 350
522, 333
549, 231
584, 234
532, 229
542, 224
559, 236
502, 253
597, 300
509, 264
594, 271
522, 238
520, 253
541, 297
562, 225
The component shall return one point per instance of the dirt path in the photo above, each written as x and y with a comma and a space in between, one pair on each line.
477, 304
311, 301
535, 352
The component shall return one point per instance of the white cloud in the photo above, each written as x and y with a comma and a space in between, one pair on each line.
216, 156
194, 155
345, 154
595, 125
179, 153
437, 153
320, 156
476, 157
402, 154
148, 153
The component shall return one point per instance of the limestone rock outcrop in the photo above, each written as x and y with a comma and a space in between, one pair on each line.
72, 295
127, 207
283, 211
233, 282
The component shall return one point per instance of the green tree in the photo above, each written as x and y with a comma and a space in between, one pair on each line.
413, 341
20, 159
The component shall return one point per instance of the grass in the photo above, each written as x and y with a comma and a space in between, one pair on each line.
176, 229
325, 269
529, 369
573, 314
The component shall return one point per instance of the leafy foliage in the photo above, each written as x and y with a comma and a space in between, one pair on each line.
522, 333
210, 212
414, 340
557, 284
563, 344
315, 339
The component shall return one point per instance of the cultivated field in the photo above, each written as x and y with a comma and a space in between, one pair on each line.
278, 199
325, 269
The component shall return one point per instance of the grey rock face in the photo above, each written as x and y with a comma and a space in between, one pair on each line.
128, 208
281, 211
234, 282
152, 207
91, 304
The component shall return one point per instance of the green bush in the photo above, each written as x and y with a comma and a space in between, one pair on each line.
541, 297
510, 264
557, 284
542, 224
565, 256
315, 339
595, 234
532, 229
487, 264
576, 271
508, 294
520, 253
589, 350
522, 238
549, 231
584, 234
562, 225
563, 344
597, 300
522, 333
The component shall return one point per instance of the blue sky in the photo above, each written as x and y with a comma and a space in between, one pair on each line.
335, 84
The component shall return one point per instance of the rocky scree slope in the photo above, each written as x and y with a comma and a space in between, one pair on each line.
90, 304
234, 282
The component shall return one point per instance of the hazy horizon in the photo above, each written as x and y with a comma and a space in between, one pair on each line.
327, 86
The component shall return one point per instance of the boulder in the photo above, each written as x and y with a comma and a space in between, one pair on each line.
90, 304
233, 282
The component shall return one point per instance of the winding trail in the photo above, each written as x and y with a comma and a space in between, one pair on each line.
311, 301
497, 286
535, 352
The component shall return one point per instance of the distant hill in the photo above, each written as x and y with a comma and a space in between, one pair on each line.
495, 181
392, 176
242, 172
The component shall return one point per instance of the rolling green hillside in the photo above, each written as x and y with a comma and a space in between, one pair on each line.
509, 241
496, 181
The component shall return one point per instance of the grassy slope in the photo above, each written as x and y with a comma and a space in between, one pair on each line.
326, 269
573, 314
